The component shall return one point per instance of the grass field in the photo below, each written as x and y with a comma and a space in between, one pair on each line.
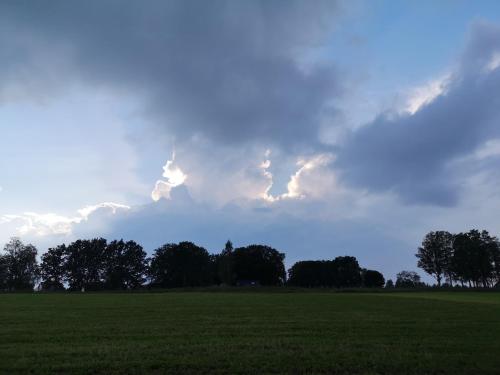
311, 332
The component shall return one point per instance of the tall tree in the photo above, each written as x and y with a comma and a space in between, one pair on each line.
21, 265
180, 265
474, 258
434, 256
125, 265
461, 262
52, 268
4, 272
259, 263
85, 264
225, 264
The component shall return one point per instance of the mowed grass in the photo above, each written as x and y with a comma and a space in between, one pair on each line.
250, 333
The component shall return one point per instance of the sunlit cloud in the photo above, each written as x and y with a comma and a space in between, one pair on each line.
174, 177
88, 210
54, 224
297, 187
423, 95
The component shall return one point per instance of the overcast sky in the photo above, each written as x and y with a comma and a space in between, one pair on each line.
321, 128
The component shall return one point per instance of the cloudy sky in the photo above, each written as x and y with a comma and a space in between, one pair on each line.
322, 128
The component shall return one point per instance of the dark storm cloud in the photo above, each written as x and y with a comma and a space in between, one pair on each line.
224, 69
412, 155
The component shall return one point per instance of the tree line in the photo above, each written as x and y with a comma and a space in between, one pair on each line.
470, 259
96, 264
467, 259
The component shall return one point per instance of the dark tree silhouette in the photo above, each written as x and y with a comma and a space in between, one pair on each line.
389, 284
180, 265
475, 258
20, 265
348, 272
408, 279
310, 274
4, 272
85, 264
340, 273
461, 262
52, 268
372, 279
258, 263
125, 265
434, 256
225, 267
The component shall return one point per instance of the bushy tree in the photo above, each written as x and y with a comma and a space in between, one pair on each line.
52, 268
259, 263
309, 274
408, 279
475, 258
347, 271
124, 265
20, 265
180, 265
389, 284
372, 279
84, 266
434, 256
339, 273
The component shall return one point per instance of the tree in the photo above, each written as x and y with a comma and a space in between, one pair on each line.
347, 272
408, 279
125, 265
259, 263
225, 265
52, 268
20, 265
308, 274
85, 264
475, 256
434, 256
373, 279
461, 262
4, 272
389, 284
180, 265
488, 258
341, 272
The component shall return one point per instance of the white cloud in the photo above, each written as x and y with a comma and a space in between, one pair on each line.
175, 177
423, 95
304, 182
88, 210
494, 62
264, 166
488, 149
300, 185
54, 224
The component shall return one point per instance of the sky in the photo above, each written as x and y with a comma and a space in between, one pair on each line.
321, 128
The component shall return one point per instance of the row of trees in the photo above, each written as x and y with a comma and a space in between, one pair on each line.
467, 259
96, 264
118, 265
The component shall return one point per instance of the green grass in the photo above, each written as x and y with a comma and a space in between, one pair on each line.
196, 332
